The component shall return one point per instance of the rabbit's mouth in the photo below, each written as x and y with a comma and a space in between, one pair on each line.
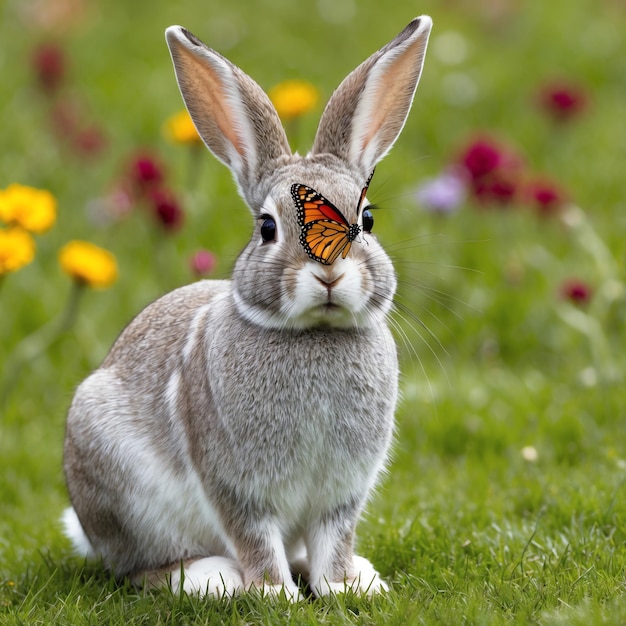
329, 314
326, 296
332, 314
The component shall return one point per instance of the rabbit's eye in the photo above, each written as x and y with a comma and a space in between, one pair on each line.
268, 229
368, 221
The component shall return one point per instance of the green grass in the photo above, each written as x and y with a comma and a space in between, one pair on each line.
464, 527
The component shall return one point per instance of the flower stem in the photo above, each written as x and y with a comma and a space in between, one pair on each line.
35, 344
70, 313
195, 159
292, 127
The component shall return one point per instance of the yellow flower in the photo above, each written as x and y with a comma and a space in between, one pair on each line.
33, 209
17, 248
88, 264
293, 98
180, 128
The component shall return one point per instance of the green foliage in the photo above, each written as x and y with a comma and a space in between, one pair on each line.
505, 500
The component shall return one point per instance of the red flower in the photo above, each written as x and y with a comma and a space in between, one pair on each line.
494, 171
481, 158
49, 64
145, 171
576, 291
562, 101
202, 262
545, 196
497, 190
166, 208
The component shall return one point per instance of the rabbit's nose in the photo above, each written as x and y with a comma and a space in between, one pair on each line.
328, 281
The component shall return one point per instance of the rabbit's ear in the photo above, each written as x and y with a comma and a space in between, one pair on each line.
368, 110
232, 114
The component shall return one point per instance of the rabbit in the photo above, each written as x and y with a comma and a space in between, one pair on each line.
232, 435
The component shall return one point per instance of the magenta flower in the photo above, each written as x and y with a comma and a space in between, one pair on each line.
481, 158
166, 208
49, 65
145, 171
202, 263
576, 291
495, 171
562, 101
545, 196
496, 190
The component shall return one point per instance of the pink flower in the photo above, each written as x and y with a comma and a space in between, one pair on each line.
166, 208
562, 101
49, 64
202, 262
576, 291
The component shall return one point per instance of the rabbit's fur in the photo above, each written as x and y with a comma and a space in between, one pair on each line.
233, 433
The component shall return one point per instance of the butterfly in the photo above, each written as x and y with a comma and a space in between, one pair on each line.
326, 233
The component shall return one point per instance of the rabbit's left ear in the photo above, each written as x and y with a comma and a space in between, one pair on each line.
368, 110
232, 114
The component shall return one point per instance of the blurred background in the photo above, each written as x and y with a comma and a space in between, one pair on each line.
502, 206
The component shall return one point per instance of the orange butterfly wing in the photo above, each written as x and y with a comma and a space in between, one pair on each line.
324, 241
326, 233
364, 191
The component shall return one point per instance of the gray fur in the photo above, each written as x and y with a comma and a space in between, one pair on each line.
249, 419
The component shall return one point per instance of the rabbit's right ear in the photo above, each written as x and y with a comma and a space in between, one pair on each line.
368, 110
232, 114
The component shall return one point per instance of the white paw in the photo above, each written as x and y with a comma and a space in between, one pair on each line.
275, 592
214, 576
366, 581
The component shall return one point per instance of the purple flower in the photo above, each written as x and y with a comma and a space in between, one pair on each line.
443, 194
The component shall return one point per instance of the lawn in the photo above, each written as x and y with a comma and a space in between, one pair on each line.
502, 206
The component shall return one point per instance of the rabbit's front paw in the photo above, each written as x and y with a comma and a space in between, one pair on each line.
214, 576
291, 592
365, 581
